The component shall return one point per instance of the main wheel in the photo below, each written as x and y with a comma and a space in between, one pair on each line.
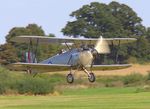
91, 77
70, 78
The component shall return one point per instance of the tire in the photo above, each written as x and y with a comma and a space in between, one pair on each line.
92, 77
70, 78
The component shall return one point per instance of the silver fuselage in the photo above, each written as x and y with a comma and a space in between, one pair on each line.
74, 57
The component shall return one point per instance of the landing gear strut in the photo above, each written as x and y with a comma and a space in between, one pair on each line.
91, 76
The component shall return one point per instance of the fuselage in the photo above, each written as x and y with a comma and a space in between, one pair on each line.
74, 57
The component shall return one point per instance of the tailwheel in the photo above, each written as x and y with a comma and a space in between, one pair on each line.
91, 77
70, 78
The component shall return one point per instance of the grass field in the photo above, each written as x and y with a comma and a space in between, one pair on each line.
93, 98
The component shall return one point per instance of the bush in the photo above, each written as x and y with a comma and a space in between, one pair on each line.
132, 60
2, 88
148, 76
34, 86
132, 78
4, 79
24, 83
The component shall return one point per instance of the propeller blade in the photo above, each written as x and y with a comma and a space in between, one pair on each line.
102, 46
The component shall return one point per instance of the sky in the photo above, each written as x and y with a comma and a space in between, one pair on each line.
53, 15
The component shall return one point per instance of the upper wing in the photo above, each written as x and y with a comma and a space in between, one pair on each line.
111, 67
45, 40
38, 67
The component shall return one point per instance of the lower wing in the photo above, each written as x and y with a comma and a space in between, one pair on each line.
111, 67
38, 67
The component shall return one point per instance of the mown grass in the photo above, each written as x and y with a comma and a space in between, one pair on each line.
93, 98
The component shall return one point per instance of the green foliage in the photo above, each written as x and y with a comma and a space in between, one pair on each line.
148, 76
34, 85
31, 29
45, 51
51, 35
5, 80
112, 20
21, 83
26, 84
8, 54
132, 78
148, 34
140, 50
14, 52
132, 59
91, 21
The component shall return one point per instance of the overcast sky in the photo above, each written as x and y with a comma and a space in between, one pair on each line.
53, 15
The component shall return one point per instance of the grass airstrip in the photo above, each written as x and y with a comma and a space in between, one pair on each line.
112, 90
86, 98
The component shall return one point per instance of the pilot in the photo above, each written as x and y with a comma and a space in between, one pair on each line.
85, 47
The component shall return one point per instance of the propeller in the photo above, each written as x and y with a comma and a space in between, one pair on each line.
102, 46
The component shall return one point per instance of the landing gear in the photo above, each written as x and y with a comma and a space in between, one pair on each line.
91, 77
70, 78
29, 70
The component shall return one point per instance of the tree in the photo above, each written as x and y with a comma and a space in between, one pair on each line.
148, 34
16, 31
129, 20
51, 35
44, 51
34, 29
112, 20
8, 54
31, 29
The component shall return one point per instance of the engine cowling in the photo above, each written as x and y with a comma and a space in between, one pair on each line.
86, 58
82, 58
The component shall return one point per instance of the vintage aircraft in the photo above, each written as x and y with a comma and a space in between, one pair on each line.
79, 58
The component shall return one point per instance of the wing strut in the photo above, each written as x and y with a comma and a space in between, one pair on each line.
35, 53
115, 51
67, 46
116, 59
32, 51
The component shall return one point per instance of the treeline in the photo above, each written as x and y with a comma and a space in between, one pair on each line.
90, 21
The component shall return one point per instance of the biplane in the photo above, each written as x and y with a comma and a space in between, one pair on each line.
80, 57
